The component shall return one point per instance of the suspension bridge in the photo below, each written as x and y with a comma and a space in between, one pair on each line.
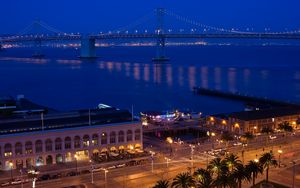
160, 34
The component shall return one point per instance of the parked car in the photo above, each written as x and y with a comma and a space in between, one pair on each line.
272, 137
16, 182
4, 184
72, 173
44, 177
85, 172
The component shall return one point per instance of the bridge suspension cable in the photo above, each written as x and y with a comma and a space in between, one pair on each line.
135, 23
196, 23
39, 23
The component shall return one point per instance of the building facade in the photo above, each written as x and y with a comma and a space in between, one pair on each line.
254, 121
23, 150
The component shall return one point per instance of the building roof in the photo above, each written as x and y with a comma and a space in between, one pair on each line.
265, 114
81, 118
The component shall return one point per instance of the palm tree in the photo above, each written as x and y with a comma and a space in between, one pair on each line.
240, 174
225, 179
162, 184
232, 161
203, 178
247, 137
267, 160
253, 168
183, 180
217, 165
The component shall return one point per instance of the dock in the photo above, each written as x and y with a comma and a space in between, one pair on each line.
244, 98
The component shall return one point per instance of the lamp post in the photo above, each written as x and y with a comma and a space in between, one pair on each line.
279, 154
294, 171
33, 174
152, 160
170, 141
76, 156
21, 172
105, 176
212, 134
92, 171
168, 160
11, 165
192, 156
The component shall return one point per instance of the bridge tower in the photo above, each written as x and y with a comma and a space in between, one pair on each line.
161, 40
38, 41
88, 48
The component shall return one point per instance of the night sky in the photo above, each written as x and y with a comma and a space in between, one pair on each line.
96, 15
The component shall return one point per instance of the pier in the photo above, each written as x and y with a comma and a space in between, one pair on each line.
243, 97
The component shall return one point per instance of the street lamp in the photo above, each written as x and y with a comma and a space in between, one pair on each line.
105, 176
152, 160
192, 156
11, 165
168, 160
76, 156
92, 171
279, 154
170, 141
294, 170
33, 174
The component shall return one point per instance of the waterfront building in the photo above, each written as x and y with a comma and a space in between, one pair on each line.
37, 140
255, 121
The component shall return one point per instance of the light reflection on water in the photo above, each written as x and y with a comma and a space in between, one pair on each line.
73, 83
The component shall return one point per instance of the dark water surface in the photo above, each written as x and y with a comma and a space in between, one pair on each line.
125, 76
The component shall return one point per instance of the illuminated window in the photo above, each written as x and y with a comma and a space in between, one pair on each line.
95, 139
104, 138
77, 142
18, 148
68, 143
7, 150
28, 147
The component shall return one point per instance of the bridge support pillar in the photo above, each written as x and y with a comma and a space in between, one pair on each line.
160, 51
88, 48
38, 49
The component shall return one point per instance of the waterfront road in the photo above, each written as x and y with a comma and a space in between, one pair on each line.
180, 161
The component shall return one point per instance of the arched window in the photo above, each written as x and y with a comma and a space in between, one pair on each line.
48, 145
95, 139
68, 143
28, 147
137, 134
129, 135
112, 137
104, 138
58, 144
38, 146
7, 150
121, 136
86, 141
77, 142
18, 148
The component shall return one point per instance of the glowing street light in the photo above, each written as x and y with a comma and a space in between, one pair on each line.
76, 158
152, 160
170, 141
92, 171
279, 154
33, 174
105, 176
11, 165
